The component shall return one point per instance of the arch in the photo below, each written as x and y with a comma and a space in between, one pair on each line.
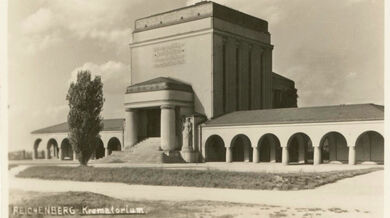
334, 148
215, 149
269, 148
52, 148
113, 145
370, 147
66, 150
241, 148
99, 149
300, 148
36, 154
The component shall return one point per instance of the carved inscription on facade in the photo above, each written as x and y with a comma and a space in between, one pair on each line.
169, 55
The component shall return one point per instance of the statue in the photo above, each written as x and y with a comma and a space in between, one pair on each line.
187, 135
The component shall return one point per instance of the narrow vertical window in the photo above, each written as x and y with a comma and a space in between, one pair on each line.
262, 80
250, 78
224, 77
237, 78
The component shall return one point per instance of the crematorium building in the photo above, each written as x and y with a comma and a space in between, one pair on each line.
202, 89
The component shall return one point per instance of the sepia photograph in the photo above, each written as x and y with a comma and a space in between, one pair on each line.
193, 108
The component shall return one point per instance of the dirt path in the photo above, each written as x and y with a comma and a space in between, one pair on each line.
364, 193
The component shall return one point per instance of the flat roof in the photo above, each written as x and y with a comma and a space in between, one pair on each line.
109, 125
198, 11
321, 114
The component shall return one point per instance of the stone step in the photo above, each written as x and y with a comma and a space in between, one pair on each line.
146, 151
146, 142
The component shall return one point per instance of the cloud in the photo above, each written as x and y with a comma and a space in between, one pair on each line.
40, 21
32, 27
105, 21
111, 72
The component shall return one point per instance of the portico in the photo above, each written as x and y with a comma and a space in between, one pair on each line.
155, 108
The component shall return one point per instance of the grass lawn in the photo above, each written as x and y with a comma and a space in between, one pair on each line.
194, 178
154, 209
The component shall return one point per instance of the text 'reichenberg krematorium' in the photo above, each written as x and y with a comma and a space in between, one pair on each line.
203, 90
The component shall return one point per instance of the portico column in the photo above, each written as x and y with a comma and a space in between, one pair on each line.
168, 128
47, 153
105, 152
131, 127
33, 154
229, 155
60, 154
74, 155
285, 155
352, 155
255, 155
317, 155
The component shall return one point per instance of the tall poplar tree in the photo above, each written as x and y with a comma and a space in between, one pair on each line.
85, 97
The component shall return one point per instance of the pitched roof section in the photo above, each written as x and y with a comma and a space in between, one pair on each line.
109, 125
337, 113
160, 83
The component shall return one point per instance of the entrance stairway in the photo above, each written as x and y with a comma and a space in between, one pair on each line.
145, 151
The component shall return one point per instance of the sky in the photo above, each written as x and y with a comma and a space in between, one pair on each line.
332, 49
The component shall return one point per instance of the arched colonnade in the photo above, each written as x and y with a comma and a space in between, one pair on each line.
296, 144
61, 148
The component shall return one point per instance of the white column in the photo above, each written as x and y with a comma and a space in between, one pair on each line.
33, 154
47, 154
74, 155
255, 155
60, 154
229, 155
317, 155
168, 128
285, 155
131, 127
352, 155
106, 152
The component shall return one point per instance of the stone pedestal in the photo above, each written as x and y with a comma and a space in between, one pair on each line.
317, 155
352, 155
189, 156
255, 155
285, 155
131, 128
168, 128
229, 155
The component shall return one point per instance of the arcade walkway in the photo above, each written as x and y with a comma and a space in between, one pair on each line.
313, 135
